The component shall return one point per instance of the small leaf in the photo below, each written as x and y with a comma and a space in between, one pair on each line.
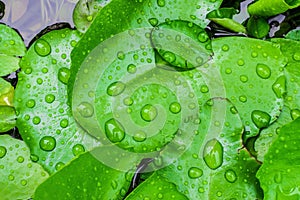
293, 35
8, 64
156, 187
281, 163
268, 8
7, 118
258, 27
86, 178
19, 175
6, 93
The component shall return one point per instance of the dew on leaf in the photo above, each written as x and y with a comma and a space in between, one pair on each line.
64, 123
49, 98
260, 119
34, 158
263, 71
195, 172
296, 56
225, 47
243, 98
78, 149
114, 131
42, 47
169, 56
203, 37
230, 176
36, 120
243, 78
153, 21
213, 154
47, 143
161, 3
85, 109
204, 89
121, 55
140, 136
295, 113
20, 159
148, 113
23, 182
116, 88
279, 86
30, 103
175, 107
131, 68
2, 151
128, 101
64, 75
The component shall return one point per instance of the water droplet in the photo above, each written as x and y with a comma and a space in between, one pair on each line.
279, 86
296, 56
260, 119
115, 88
42, 47
30, 103
148, 113
36, 120
160, 195
295, 113
49, 98
233, 110
169, 56
140, 136
128, 101
175, 107
64, 75
230, 176
39, 81
241, 62
225, 47
254, 54
213, 154
121, 55
64, 123
228, 71
2, 151
59, 166
243, 78
47, 143
73, 43
131, 68
203, 37
243, 98
204, 89
195, 172
278, 177
20, 159
28, 70
161, 3
34, 158
114, 131
263, 71
114, 184
23, 182
219, 194
78, 149
85, 109
201, 189
11, 177
153, 21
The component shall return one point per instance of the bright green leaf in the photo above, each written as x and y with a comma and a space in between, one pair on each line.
215, 160
19, 175
278, 173
268, 8
258, 27
252, 72
87, 178
7, 118
6, 93
156, 187
44, 118
8, 64
11, 43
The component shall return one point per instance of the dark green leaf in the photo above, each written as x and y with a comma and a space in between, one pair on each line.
257, 27
293, 35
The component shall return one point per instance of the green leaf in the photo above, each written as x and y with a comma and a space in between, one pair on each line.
11, 43
215, 160
135, 14
183, 44
7, 118
223, 17
258, 27
268, 8
6, 93
281, 163
19, 175
87, 178
156, 187
252, 73
8, 64
293, 35
44, 117
85, 12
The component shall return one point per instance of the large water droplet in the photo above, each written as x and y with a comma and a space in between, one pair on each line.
148, 113
140, 136
30, 103
195, 172
2, 151
85, 109
260, 119
78, 149
64, 123
175, 107
169, 56
213, 154
47, 143
115, 88
64, 75
42, 47
131, 68
202, 36
295, 113
36, 120
263, 71
230, 176
114, 131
